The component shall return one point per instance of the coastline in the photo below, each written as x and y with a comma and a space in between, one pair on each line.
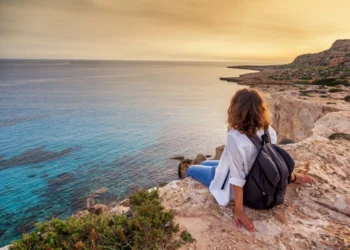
259, 77
329, 67
307, 115
310, 212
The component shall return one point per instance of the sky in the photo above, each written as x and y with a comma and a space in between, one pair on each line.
181, 30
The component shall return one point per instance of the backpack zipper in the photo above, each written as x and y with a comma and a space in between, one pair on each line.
261, 190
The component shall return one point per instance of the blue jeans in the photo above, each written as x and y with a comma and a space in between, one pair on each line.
203, 173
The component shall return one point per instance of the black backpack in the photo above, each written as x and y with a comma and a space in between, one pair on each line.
269, 176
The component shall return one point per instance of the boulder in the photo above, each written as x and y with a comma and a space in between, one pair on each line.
100, 191
178, 157
98, 209
199, 159
183, 167
80, 214
218, 152
90, 202
119, 210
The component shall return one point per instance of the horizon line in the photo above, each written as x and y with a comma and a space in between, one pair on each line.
137, 60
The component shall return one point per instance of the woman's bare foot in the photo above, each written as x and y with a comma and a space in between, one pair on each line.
302, 178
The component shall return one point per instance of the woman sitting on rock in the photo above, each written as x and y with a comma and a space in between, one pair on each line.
252, 169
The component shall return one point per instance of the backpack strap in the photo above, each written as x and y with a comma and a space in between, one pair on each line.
268, 137
256, 141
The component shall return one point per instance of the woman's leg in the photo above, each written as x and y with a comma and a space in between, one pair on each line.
202, 173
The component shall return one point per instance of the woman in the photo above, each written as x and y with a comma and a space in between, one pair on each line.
248, 115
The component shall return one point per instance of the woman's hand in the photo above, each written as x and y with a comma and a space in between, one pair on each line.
241, 218
302, 178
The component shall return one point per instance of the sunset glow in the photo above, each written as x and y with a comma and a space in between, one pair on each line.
204, 30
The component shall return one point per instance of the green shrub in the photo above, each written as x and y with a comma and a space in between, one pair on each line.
148, 226
286, 141
330, 82
335, 90
306, 77
302, 82
339, 136
347, 98
186, 237
323, 96
304, 94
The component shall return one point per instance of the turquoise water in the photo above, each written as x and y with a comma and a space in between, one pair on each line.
68, 128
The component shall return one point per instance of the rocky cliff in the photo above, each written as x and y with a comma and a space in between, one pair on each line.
313, 216
337, 55
297, 110
330, 67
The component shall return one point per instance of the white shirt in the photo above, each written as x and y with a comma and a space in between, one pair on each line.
238, 158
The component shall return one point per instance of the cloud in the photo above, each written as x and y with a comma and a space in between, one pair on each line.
166, 30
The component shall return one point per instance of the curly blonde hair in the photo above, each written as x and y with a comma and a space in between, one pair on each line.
248, 112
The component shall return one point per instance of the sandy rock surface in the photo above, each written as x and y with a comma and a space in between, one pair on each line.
313, 216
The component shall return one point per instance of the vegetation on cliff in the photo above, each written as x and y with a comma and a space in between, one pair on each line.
330, 67
146, 226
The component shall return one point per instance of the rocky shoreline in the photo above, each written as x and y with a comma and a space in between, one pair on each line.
313, 216
329, 67
313, 123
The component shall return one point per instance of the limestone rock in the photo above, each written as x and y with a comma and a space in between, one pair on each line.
178, 157
335, 122
119, 210
313, 216
337, 55
90, 202
294, 118
183, 167
80, 214
218, 152
101, 191
199, 159
98, 209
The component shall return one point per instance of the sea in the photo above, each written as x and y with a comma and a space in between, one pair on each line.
70, 127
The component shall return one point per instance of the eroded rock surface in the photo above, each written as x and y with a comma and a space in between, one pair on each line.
300, 112
313, 216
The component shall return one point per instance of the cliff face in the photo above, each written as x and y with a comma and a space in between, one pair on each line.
337, 55
298, 117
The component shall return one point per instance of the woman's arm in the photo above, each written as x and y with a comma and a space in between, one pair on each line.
240, 217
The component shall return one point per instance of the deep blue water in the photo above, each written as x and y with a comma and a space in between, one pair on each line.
68, 128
